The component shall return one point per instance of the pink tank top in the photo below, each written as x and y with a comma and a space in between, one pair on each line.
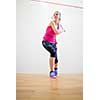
50, 35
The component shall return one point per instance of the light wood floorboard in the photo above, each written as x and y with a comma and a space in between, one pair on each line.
41, 87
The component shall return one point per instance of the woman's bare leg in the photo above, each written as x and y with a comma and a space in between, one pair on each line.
51, 62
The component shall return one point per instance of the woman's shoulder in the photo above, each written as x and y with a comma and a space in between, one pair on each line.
51, 23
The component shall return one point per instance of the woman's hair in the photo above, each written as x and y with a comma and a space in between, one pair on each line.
57, 12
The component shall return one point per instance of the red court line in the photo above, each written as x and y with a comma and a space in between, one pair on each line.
58, 4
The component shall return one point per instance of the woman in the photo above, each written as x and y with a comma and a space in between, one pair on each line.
49, 42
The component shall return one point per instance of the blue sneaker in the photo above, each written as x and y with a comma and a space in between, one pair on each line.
52, 74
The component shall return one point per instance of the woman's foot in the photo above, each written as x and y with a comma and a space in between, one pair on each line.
52, 74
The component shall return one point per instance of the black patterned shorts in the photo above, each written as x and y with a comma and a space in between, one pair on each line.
51, 48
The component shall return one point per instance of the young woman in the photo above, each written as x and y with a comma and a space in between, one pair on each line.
49, 42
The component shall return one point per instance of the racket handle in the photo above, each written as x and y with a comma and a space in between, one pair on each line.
63, 28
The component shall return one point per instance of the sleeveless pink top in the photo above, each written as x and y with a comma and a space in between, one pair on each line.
50, 35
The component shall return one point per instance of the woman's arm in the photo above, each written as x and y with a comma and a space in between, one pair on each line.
54, 28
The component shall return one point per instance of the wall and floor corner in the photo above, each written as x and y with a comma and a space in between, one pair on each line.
32, 19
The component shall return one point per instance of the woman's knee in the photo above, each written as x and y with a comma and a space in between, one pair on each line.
53, 53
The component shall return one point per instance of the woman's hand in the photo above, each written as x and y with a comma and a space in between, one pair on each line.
64, 30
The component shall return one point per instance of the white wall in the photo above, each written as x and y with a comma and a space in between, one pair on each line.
32, 19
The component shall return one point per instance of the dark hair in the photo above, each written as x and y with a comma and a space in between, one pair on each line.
59, 18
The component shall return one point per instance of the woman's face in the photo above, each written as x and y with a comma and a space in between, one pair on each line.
56, 16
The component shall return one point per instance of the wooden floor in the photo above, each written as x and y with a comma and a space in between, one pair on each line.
41, 87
